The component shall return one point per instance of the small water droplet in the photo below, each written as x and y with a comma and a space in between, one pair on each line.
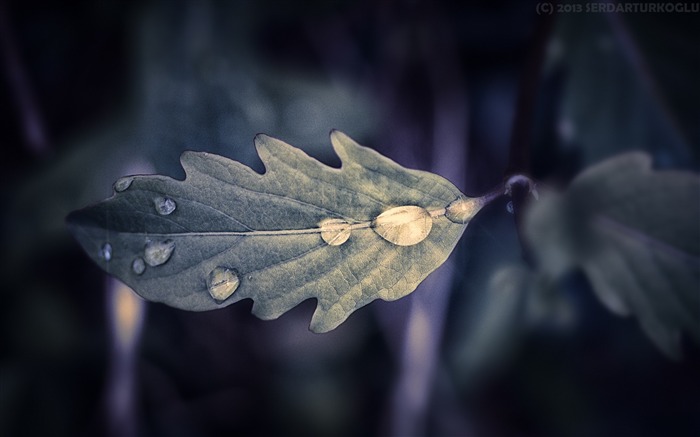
106, 252
509, 207
123, 184
164, 205
222, 282
334, 231
404, 225
158, 252
463, 209
138, 266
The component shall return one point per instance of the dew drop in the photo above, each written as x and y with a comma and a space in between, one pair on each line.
463, 209
334, 231
509, 207
222, 282
164, 205
158, 252
106, 252
138, 266
404, 225
123, 184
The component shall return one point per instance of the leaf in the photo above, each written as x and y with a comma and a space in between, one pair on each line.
497, 324
636, 235
619, 106
345, 236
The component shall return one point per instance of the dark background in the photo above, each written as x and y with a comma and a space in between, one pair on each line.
93, 90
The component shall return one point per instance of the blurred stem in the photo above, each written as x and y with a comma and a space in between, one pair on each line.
519, 153
125, 312
32, 126
521, 132
425, 324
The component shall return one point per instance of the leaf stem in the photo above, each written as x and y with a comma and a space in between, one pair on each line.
520, 139
32, 124
519, 186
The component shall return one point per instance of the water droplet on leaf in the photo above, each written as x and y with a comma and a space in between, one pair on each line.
222, 282
164, 205
106, 252
138, 266
463, 210
158, 252
123, 183
404, 225
334, 231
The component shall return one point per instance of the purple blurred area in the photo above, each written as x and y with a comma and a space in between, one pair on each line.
91, 91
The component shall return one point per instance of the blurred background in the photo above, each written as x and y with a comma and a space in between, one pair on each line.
94, 90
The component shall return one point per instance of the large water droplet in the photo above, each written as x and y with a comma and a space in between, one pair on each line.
138, 266
404, 225
158, 252
164, 205
106, 252
334, 231
123, 183
222, 282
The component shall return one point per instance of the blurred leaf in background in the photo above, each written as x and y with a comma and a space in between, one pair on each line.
636, 235
612, 100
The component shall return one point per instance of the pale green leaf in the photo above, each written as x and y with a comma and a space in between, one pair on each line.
635, 233
301, 230
497, 323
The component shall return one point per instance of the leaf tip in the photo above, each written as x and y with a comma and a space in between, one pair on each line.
70, 219
77, 219
189, 155
260, 137
268, 146
189, 159
327, 319
341, 143
337, 135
